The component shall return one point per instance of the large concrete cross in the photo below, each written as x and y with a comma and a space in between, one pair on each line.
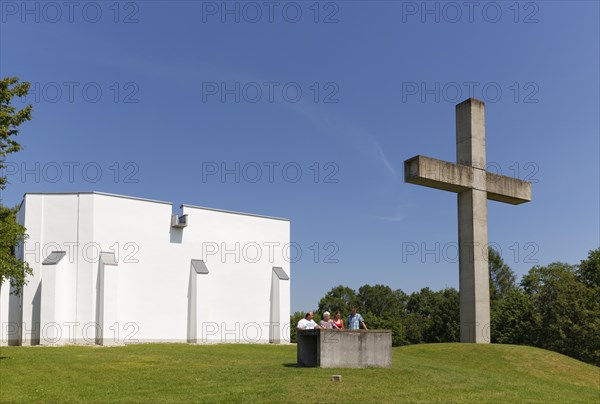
469, 178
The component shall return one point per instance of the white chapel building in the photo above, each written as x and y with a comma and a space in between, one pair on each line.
111, 270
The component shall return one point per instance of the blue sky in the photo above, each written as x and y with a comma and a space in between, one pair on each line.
159, 95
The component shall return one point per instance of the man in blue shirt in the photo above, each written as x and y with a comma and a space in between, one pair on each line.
355, 320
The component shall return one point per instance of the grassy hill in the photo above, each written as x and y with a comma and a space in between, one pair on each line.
267, 373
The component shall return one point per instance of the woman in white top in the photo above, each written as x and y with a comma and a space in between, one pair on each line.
327, 322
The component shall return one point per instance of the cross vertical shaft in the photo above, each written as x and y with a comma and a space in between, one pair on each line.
472, 224
474, 185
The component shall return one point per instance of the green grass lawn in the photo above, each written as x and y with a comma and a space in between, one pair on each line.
267, 373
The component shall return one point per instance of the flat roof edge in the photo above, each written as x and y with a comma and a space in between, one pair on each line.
235, 212
155, 201
98, 193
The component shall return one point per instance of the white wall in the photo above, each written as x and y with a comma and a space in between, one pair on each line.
51, 223
153, 271
240, 252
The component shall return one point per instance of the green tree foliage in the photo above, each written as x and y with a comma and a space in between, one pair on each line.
510, 306
565, 311
383, 308
339, 298
11, 233
502, 278
555, 307
512, 319
294, 318
424, 316
11, 119
381, 301
437, 313
414, 326
589, 269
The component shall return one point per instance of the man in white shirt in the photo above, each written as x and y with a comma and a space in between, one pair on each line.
307, 323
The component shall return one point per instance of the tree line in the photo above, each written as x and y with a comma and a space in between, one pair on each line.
555, 307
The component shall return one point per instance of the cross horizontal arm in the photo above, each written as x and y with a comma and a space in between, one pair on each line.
507, 189
438, 174
457, 178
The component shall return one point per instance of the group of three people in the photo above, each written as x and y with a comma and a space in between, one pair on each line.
355, 321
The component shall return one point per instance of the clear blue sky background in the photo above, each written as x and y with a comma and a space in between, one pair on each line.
371, 58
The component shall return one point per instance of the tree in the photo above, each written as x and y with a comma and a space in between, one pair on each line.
294, 318
383, 309
437, 314
339, 298
513, 321
10, 120
589, 269
502, 278
565, 311
11, 233
381, 301
414, 326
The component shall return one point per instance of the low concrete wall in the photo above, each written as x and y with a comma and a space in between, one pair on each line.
344, 348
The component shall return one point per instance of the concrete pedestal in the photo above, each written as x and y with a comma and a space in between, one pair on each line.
344, 348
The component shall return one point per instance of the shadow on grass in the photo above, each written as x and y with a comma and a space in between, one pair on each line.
4, 357
290, 365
